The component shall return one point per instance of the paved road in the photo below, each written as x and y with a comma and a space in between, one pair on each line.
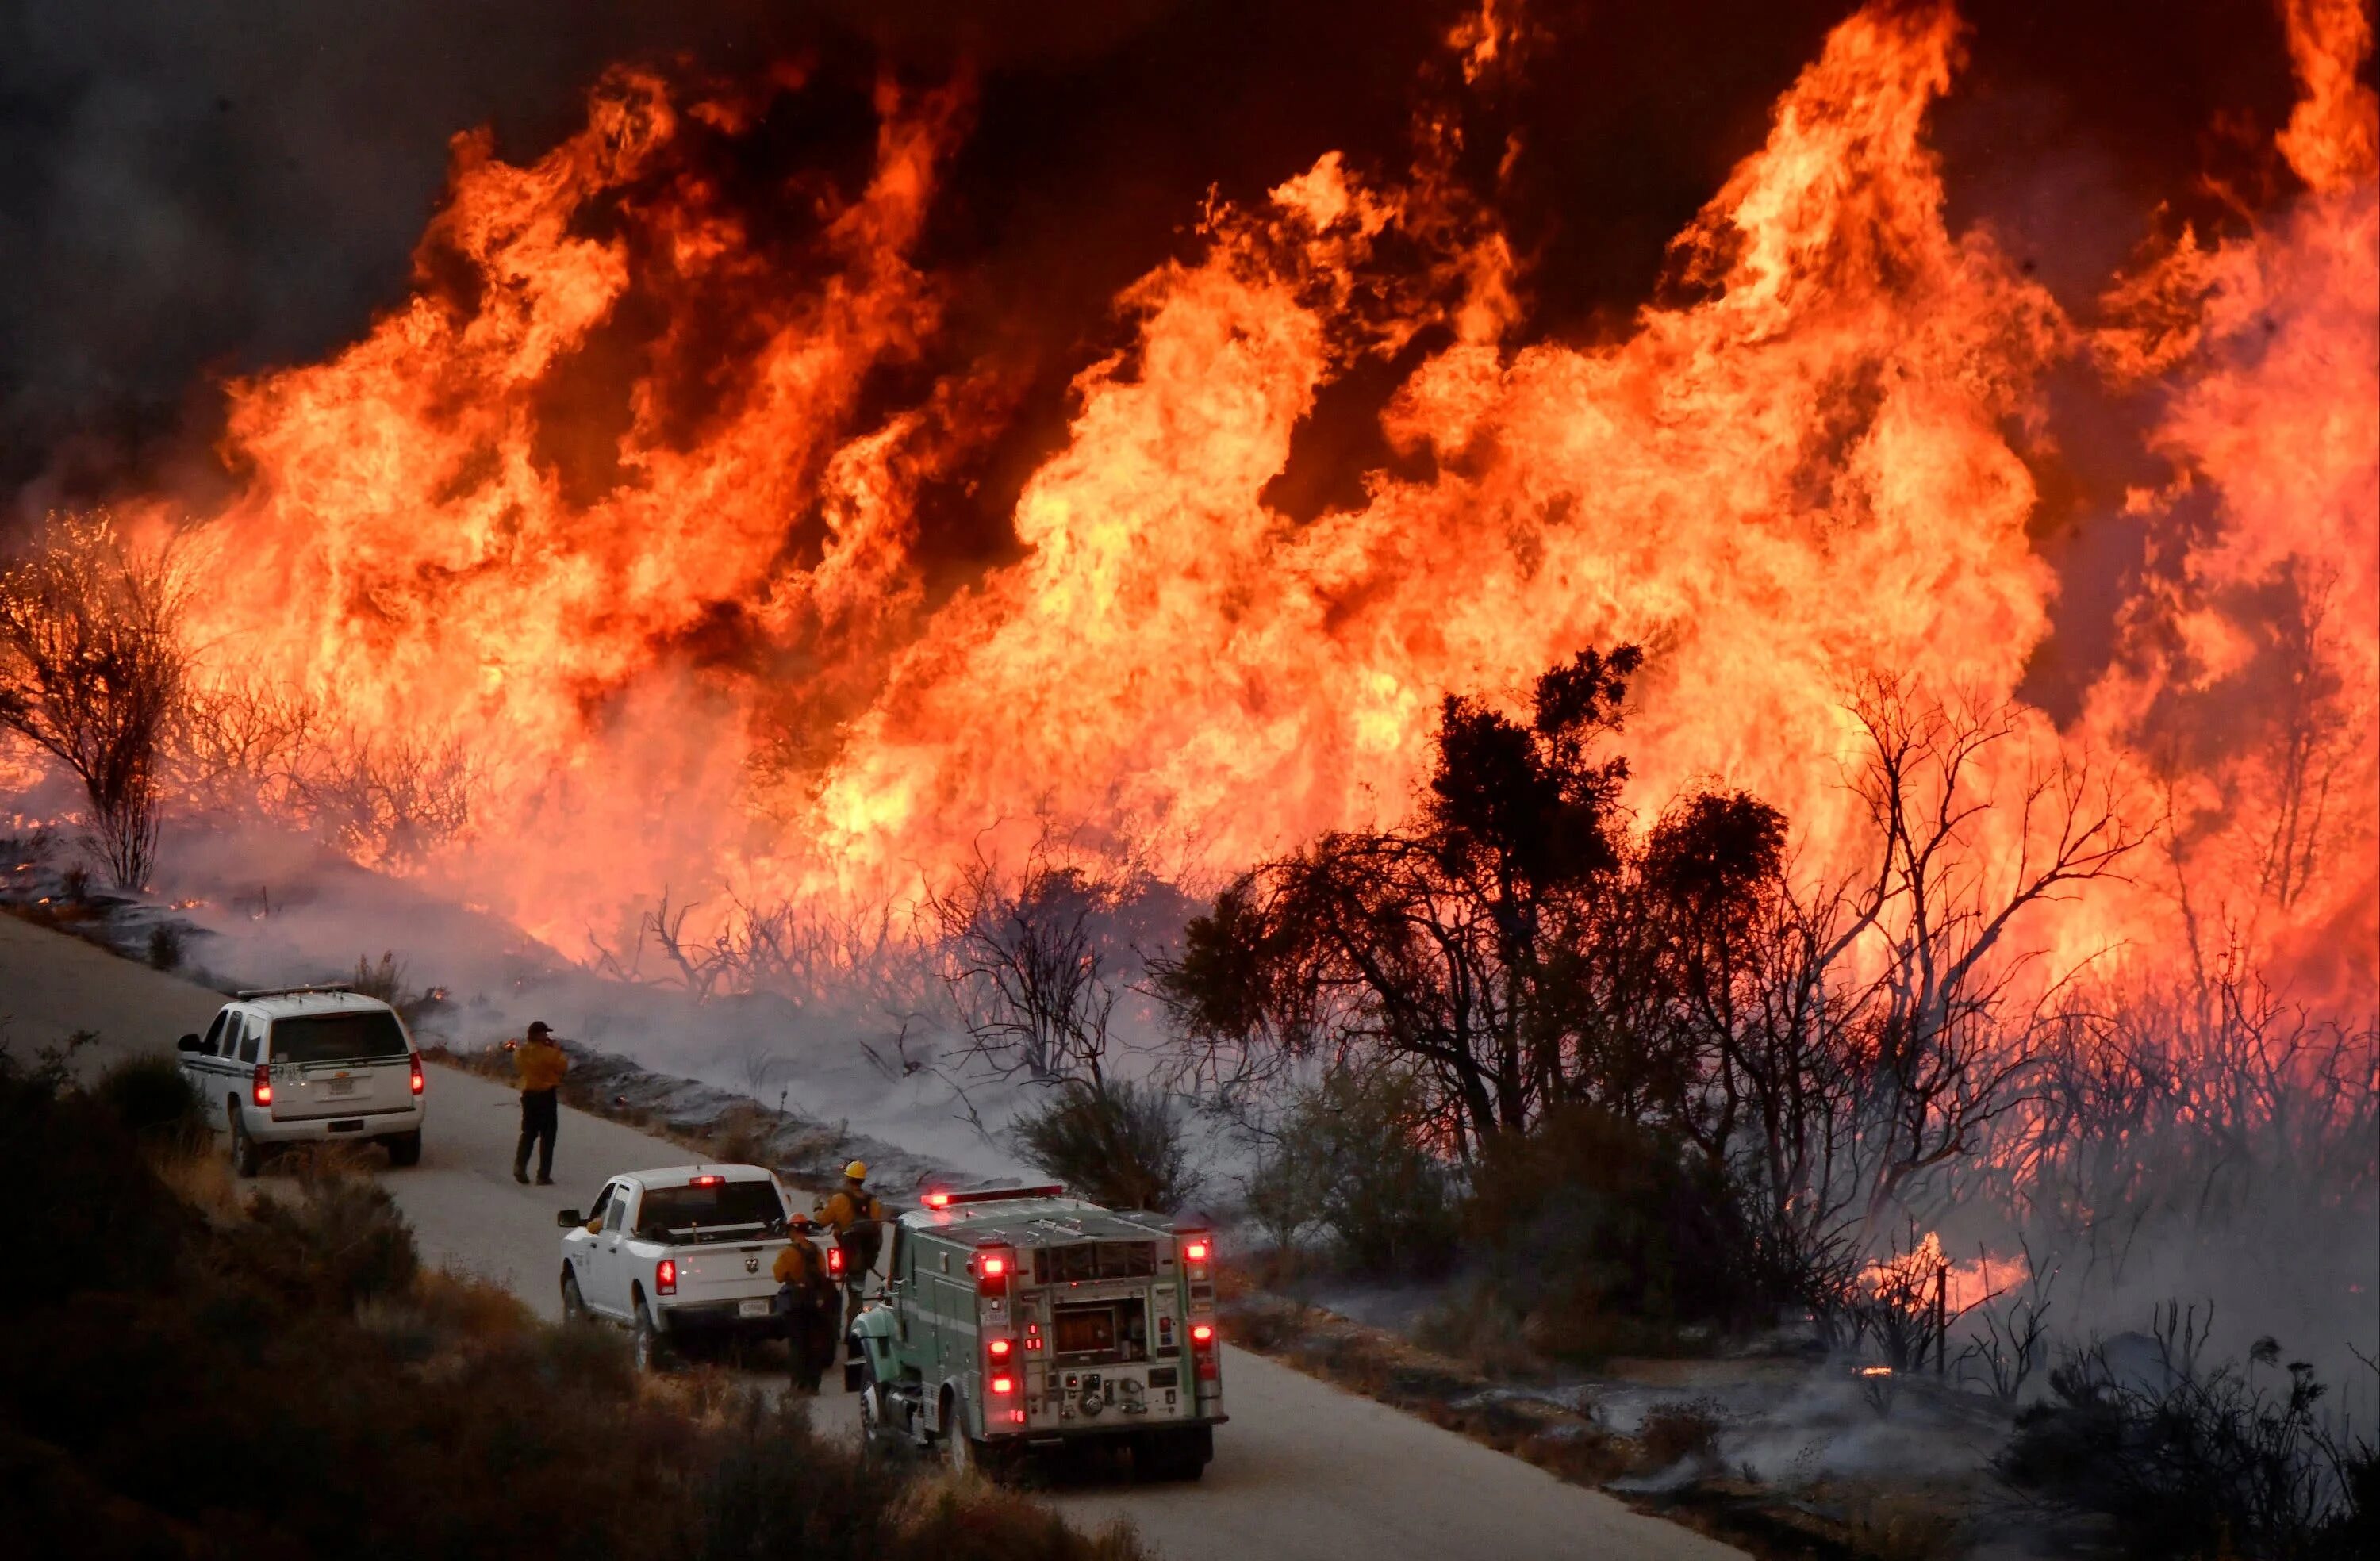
1303, 1472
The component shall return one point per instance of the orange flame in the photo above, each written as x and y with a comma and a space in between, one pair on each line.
692, 644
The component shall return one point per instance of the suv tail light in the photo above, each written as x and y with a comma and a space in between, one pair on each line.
665, 1277
418, 1080
260, 1085
991, 1273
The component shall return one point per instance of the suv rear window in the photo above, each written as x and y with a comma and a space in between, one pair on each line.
724, 1203
338, 1038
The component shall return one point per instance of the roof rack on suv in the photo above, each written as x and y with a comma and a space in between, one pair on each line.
326, 987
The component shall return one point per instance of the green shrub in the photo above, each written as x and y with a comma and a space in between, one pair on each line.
1121, 1144
437, 1421
341, 1242
1351, 1160
1607, 1233
151, 1097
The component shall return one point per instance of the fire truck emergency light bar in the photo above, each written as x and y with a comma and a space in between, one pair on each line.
939, 1199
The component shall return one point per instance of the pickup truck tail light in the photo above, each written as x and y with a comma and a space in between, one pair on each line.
665, 1277
260, 1085
417, 1081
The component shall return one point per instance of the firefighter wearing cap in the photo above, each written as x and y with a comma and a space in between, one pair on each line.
540, 1064
806, 1302
857, 1217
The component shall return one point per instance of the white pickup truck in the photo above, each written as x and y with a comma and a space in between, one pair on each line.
678, 1255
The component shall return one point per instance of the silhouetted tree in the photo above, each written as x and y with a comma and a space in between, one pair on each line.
92, 668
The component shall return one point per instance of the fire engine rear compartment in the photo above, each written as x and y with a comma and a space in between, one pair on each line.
1099, 1333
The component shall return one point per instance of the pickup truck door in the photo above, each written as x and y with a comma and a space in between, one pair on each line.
609, 1258
579, 1245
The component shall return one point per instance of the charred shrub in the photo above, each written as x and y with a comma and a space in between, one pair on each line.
1121, 1144
2189, 1461
166, 944
1676, 1433
1588, 1222
153, 1099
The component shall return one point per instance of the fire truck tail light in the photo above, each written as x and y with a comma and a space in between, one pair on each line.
1202, 1334
993, 1267
1195, 1251
418, 1083
665, 1277
992, 1274
835, 1262
260, 1085
1000, 1348
1004, 1384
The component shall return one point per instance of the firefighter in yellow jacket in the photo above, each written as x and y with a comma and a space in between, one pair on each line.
857, 1217
805, 1301
540, 1064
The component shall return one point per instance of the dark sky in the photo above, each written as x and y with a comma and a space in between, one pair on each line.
191, 190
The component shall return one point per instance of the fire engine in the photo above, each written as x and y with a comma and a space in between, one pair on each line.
1019, 1319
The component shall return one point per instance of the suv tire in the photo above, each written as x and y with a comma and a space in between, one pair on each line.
247, 1155
404, 1149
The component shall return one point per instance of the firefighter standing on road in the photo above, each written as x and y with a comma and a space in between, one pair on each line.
540, 1064
805, 1301
857, 1220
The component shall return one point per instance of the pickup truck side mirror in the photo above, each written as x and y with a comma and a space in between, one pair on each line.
567, 1218
187, 1043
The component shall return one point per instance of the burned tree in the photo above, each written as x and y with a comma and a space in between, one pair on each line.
91, 669
1030, 970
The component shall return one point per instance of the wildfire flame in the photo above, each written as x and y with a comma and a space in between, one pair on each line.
686, 635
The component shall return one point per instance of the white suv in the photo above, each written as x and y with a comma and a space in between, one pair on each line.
307, 1065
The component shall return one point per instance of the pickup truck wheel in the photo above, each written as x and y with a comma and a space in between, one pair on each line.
247, 1156
646, 1345
574, 1302
404, 1149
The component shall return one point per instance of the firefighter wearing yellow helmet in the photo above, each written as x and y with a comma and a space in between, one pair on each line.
857, 1217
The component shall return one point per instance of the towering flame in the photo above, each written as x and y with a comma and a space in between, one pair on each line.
685, 629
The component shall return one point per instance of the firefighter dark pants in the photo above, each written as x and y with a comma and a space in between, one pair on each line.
809, 1335
540, 1116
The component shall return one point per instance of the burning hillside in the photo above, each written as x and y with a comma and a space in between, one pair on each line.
615, 557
